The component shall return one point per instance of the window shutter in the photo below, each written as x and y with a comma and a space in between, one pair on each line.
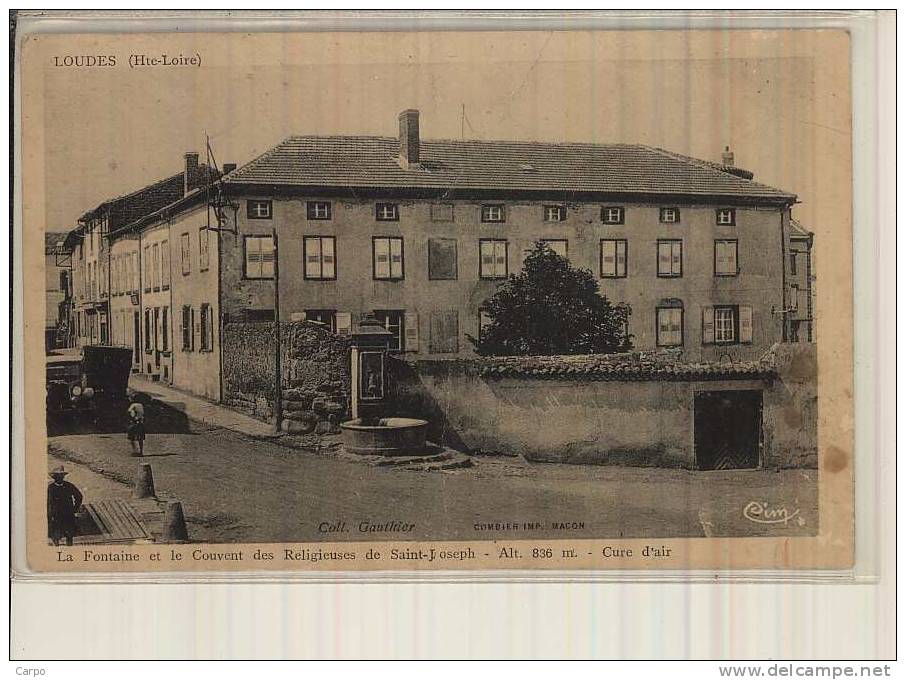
328, 258
500, 252
664, 251
344, 323
745, 324
707, 325
381, 258
396, 258
411, 324
487, 258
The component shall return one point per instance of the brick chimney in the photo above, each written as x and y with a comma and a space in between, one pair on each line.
409, 140
192, 178
228, 168
727, 157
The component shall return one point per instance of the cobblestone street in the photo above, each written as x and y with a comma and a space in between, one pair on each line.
236, 488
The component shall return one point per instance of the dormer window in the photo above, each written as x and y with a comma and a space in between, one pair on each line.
612, 215
492, 213
259, 210
726, 217
387, 212
670, 215
554, 213
318, 210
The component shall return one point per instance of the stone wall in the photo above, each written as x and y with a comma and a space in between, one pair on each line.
577, 418
791, 405
315, 372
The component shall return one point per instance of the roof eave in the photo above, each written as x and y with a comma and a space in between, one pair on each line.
280, 188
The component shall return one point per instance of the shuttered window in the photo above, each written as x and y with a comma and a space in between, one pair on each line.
207, 328
493, 213
185, 328
203, 257
155, 266
259, 210
394, 321
670, 215
318, 210
727, 324
386, 212
670, 258
669, 326
444, 332
724, 324
165, 329
165, 264
259, 257
613, 258
442, 264
726, 217
612, 215
185, 254
157, 340
320, 257
726, 262
387, 258
493, 259
149, 339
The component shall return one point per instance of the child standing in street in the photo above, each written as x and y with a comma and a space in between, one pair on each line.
136, 431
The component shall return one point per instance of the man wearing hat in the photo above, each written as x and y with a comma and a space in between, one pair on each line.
63, 502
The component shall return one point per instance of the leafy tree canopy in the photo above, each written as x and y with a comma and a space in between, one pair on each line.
551, 307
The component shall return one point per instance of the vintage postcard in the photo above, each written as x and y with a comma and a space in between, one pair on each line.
358, 301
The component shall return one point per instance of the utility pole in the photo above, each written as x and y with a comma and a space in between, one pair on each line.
278, 341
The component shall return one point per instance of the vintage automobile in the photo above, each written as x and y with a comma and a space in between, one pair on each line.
81, 381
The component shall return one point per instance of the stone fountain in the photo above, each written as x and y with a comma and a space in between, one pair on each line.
371, 431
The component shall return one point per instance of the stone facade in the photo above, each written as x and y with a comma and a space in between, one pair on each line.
419, 300
315, 369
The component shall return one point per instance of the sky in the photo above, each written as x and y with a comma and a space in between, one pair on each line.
780, 100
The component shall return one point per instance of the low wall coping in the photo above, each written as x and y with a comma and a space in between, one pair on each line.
600, 368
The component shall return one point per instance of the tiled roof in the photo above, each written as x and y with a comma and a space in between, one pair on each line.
124, 210
619, 367
51, 239
133, 205
346, 161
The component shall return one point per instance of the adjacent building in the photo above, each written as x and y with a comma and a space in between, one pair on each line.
422, 232
112, 269
58, 290
801, 278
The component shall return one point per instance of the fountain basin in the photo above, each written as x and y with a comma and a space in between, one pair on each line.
385, 436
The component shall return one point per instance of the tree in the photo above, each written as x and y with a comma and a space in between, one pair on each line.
551, 308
